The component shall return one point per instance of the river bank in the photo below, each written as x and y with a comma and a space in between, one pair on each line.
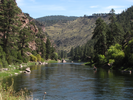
7, 92
14, 69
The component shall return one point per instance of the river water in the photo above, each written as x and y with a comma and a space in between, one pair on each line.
73, 81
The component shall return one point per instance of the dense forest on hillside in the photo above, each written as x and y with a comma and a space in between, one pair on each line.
20, 39
50, 20
111, 44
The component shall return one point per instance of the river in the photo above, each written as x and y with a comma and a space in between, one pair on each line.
73, 81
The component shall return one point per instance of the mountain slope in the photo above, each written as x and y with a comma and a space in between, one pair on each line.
73, 33
50, 20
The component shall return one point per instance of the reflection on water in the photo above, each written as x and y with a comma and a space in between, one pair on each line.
72, 81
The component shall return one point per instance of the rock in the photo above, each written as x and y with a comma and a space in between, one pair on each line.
59, 61
20, 71
20, 66
36, 63
128, 71
5, 69
16, 73
28, 69
26, 72
40, 63
63, 61
43, 63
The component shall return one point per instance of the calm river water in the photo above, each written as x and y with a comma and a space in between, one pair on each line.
73, 81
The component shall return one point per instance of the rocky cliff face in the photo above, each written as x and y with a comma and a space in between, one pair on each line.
27, 21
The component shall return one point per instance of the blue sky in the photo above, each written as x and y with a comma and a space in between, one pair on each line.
40, 8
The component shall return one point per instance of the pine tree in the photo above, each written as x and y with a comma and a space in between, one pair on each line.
24, 35
9, 23
99, 35
48, 49
115, 31
72, 53
43, 49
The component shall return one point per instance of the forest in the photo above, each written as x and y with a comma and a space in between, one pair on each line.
50, 20
111, 44
17, 33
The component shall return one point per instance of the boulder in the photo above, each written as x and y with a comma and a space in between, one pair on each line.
20, 66
27, 70
5, 69
63, 61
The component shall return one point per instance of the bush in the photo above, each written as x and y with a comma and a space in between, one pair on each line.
102, 59
42, 60
55, 56
38, 57
33, 58
115, 53
111, 61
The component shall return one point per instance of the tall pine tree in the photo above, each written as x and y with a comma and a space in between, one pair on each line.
48, 49
115, 31
24, 35
99, 35
9, 24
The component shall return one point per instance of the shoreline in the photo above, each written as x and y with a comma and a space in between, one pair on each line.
12, 70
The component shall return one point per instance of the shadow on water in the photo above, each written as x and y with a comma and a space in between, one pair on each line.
73, 81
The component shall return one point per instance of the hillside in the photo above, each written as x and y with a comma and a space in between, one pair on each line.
50, 20
73, 33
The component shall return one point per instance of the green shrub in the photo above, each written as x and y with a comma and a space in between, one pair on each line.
38, 57
111, 61
115, 53
42, 60
55, 56
102, 59
33, 58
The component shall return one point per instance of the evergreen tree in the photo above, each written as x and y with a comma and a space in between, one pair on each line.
48, 49
24, 35
43, 49
72, 53
99, 35
115, 32
9, 23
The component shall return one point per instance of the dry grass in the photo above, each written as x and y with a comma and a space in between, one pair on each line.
73, 33
8, 93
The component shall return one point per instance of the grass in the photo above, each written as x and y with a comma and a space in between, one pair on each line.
52, 61
14, 69
8, 93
